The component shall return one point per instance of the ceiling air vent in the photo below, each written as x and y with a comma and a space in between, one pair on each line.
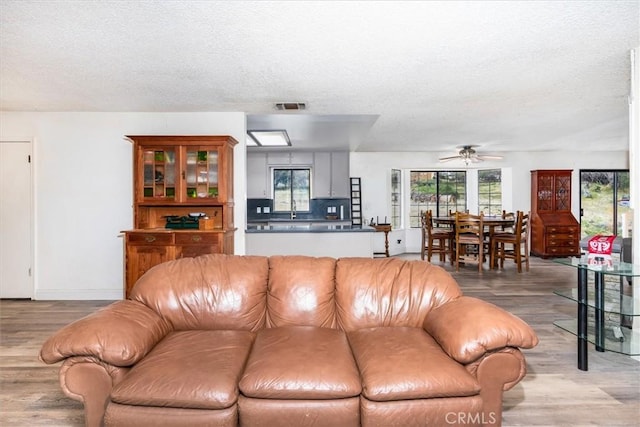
291, 106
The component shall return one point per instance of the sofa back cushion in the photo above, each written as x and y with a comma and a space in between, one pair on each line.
207, 292
389, 292
301, 291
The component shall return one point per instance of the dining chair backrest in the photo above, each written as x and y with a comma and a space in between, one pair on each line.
436, 240
428, 219
522, 225
469, 224
427, 222
423, 219
469, 232
513, 216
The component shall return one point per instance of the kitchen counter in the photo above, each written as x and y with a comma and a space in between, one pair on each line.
314, 227
311, 239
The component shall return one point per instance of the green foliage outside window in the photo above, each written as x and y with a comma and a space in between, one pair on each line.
490, 191
291, 187
438, 191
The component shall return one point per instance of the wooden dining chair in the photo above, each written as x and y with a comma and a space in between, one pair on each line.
438, 240
512, 245
469, 232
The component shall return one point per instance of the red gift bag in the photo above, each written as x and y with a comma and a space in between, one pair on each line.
600, 248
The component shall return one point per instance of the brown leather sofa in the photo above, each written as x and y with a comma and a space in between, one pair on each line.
224, 340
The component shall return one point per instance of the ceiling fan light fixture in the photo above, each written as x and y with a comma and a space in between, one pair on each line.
288, 106
469, 155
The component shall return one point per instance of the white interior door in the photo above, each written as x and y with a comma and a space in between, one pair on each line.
16, 213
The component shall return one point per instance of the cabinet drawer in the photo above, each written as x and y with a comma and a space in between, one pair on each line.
159, 239
562, 237
565, 229
561, 243
196, 239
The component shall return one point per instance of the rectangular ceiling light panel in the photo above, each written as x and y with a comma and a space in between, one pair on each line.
270, 138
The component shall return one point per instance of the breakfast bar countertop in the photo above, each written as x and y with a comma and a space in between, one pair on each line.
309, 228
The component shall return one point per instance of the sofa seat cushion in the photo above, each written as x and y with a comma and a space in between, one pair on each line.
300, 362
398, 363
188, 369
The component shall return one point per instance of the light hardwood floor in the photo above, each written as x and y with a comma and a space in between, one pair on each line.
554, 392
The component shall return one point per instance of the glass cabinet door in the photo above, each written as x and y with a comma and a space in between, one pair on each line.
545, 191
563, 193
201, 172
159, 180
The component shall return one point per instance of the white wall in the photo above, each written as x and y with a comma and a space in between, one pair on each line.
83, 191
374, 169
83, 188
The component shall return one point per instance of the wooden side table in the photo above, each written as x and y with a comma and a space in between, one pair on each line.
385, 228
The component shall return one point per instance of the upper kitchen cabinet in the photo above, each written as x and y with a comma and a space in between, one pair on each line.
340, 186
289, 158
257, 176
331, 174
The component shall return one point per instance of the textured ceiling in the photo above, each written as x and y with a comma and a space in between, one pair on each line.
376, 76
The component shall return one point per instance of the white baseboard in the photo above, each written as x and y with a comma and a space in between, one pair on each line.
79, 294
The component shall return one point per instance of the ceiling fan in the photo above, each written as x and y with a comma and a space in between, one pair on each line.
469, 155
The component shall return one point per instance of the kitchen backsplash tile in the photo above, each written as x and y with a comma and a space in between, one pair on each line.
262, 209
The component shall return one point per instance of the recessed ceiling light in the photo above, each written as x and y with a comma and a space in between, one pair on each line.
270, 138
291, 106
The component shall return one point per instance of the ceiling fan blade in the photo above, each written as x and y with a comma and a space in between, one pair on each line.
489, 157
447, 159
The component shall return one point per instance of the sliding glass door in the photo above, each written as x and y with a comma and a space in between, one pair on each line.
604, 199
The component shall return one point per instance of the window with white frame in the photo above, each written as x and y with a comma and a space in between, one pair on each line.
439, 191
490, 191
291, 189
396, 198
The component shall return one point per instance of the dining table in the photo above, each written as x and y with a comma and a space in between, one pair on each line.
489, 222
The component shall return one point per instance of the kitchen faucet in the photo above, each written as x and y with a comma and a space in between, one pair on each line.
293, 209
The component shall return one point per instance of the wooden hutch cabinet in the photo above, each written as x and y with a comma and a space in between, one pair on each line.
178, 181
554, 230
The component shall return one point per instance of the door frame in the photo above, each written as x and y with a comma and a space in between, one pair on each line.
32, 210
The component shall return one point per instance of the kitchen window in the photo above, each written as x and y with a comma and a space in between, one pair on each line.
291, 190
438, 191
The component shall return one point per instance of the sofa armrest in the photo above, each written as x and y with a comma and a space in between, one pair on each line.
466, 328
90, 381
120, 334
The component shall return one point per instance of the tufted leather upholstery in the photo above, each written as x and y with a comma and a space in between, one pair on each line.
291, 340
